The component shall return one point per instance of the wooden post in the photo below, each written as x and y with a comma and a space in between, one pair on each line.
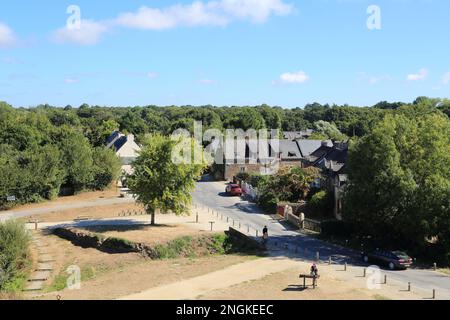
365, 271
385, 279
212, 224
345, 266
435, 266
434, 294
196, 218
409, 286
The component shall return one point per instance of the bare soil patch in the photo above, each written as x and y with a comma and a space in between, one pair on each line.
84, 196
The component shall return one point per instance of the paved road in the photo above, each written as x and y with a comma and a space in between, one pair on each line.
211, 194
14, 214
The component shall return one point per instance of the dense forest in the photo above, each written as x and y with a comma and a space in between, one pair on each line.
46, 149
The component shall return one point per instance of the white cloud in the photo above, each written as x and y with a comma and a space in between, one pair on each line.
7, 37
212, 13
421, 75
71, 81
256, 10
446, 78
89, 33
195, 14
293, 78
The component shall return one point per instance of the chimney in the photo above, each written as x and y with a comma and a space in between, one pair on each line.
130, 137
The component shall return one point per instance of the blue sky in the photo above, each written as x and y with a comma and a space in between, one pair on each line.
223, 52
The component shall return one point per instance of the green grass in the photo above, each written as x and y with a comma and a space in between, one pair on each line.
176, 248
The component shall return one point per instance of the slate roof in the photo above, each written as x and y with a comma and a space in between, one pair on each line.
289, 150
307, 147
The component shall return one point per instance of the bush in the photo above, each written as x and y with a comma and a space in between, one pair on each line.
321, 203
257, 180
243, 176
268, 201
14, 255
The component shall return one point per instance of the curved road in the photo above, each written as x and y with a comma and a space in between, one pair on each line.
211, 194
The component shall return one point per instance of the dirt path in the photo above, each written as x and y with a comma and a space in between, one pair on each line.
233, 275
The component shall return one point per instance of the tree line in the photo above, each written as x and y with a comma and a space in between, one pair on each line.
41, 157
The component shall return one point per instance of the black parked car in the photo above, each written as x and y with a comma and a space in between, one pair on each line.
391, 259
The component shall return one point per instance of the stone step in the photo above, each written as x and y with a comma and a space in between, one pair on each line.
34, 286
44, 267
45, 258
39, 276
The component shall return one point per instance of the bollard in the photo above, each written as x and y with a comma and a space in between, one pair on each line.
35, 225
196, 218
317, 256
248, 229
385, 279
239, 225
212, 224
233, 222
434, 294
435, 266
409, 286
345, 266
228, 219
365, 272
329, 260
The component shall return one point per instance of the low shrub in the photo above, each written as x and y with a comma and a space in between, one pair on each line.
14, 255
321, 203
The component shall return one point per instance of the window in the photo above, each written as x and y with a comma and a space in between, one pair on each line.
242, 169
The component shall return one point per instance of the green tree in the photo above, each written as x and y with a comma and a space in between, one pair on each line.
76, 157
106, 168
159, 182
399, 179
325, 130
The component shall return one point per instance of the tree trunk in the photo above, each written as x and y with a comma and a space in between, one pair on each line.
152, 213
153, 217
